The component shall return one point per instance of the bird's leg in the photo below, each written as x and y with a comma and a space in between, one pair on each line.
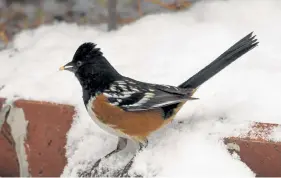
122, 143
142, 145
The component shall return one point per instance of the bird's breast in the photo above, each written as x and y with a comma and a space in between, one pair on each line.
113, 119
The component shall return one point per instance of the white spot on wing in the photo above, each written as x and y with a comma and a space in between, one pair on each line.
147, 97
166, 103
107, 95
131, 82
113, 88
135, 89
123, 87
121, 82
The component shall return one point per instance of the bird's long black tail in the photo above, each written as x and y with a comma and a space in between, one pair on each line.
237, 50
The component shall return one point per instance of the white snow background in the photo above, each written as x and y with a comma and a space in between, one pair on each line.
166, 49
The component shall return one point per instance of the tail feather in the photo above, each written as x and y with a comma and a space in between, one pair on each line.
237, 50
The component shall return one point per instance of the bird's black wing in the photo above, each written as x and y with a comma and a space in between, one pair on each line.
131, 95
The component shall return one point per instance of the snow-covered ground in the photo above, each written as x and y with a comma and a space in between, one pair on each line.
165, 49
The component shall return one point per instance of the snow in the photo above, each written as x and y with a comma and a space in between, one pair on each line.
275, 135
167, 49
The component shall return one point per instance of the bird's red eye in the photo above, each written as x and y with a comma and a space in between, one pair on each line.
79, 63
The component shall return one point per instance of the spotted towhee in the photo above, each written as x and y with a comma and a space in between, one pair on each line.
132, 109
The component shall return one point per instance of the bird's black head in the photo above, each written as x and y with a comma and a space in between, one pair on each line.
91, 68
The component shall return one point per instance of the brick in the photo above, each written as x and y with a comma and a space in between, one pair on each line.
48, 124
8, 157
255, 149
46, 140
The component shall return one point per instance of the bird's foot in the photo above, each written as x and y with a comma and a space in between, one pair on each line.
93, 171
125, 171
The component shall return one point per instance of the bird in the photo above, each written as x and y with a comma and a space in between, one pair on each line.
132, 109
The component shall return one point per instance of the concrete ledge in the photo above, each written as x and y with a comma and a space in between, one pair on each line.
8, 157
256, 150
39, 149
44, 143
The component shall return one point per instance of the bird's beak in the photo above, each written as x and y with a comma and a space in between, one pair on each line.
69, 66
61, 68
